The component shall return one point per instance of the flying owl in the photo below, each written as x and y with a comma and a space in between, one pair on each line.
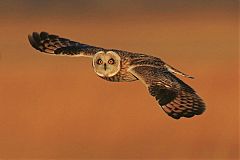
175, 97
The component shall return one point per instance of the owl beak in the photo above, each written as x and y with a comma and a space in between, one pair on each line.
105, 66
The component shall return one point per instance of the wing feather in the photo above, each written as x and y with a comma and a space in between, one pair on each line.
53, 44
175, 97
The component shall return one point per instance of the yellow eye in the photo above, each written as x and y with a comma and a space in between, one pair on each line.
111, 61
99, 61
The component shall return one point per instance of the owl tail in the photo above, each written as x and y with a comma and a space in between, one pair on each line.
175, 71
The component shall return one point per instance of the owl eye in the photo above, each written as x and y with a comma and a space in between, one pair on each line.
111, 61
99, 61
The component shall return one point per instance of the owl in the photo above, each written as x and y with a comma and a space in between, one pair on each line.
174, 96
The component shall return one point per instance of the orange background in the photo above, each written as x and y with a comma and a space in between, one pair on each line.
56, 107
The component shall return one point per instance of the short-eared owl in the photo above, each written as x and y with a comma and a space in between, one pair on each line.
175, 97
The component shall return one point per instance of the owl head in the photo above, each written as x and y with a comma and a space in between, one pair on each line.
106, 64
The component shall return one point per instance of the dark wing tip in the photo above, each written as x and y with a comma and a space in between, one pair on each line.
185, 114
35, 40
186, 106
178, 104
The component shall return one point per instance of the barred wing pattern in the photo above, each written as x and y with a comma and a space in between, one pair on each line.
54, 44
175, 97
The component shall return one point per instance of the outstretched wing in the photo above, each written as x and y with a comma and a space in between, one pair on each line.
53, 44
175, 97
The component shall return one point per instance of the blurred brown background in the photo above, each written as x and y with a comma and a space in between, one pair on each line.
56, 107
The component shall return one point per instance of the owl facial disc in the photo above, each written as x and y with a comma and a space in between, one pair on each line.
106, 64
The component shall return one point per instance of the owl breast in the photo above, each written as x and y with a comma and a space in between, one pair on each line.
121, 77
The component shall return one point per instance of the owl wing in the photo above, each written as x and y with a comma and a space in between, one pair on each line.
175, 97
53, 44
